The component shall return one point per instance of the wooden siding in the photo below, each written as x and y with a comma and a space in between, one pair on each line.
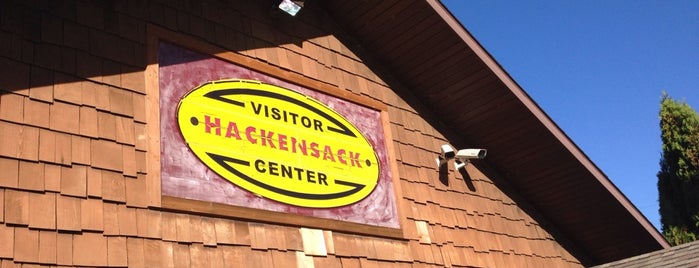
74, 143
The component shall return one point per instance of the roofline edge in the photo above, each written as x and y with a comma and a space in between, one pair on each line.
534, 108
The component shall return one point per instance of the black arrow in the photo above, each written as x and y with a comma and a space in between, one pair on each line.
224, 162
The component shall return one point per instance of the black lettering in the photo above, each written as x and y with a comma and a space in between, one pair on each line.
306, 122
310, 175
298, 172
273, 168
322, 178
259, 165
318, 125
286, 171
256, 108
275, 114
293, 117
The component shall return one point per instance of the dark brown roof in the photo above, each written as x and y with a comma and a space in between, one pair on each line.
685, 255
446, 69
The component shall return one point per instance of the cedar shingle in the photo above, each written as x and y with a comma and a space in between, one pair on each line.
117, 251
422, 232
80, 150
124, 128
180, 255
47, 145
90, 249
142, 222
101, 97
92, 218
113, 188
350, 263
106, 125
106, 154
16, 207
67, 89
275, 238
133, 80
47, 247
68, 213
11, 107
26, 245
89, 90
9, 176
52, 177
136, 191
151, 251
153, 224
7, 236
42, 207
127, 220
111, 69
166, 252
258, 236
19, 141
142, 165
313, 242
88, 121
215, 256
285, 259
169, 223
35, 113
195, 232
121, 101
182, 225
208, 230
293, 239
258, 258
130, 167
2, 205
111, 218
74, 180
329, 261
64, 149
41, 84
31, 176
242, 233
64, 117
198, 257
140, 135
135, 252
234, 255
94, 182
64, 249
225, 231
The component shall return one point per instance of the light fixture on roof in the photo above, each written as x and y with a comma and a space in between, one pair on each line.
291, 7
461, 157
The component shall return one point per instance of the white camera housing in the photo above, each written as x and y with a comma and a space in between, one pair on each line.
467, 154
448, 152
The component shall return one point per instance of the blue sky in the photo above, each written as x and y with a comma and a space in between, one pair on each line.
598, 68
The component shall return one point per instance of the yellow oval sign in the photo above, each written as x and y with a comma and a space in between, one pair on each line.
278, 143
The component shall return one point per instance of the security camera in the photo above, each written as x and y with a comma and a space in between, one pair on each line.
461, 157
446, 154
467, 154
448, 151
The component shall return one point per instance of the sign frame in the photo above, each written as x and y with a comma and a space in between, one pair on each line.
155, 198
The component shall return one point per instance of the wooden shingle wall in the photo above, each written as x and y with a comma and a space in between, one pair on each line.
74, 143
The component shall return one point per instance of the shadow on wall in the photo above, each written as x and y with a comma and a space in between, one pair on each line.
60, 42
444, 177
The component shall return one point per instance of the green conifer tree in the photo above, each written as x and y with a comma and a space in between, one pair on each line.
678, 178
